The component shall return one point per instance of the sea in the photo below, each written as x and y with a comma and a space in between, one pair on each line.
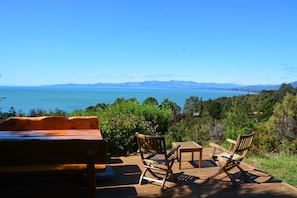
51, 98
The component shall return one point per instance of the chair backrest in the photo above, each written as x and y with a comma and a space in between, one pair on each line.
151, 144
243, 144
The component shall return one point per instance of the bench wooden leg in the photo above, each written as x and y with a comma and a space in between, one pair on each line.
91, 180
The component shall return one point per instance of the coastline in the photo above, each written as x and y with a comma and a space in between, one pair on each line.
25, 98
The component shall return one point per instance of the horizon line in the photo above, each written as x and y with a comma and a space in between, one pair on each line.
117, 83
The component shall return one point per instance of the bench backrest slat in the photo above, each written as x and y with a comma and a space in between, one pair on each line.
68, 150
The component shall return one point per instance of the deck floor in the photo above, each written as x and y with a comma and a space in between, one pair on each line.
191, 182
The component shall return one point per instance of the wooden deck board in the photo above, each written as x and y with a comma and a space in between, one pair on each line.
192, 182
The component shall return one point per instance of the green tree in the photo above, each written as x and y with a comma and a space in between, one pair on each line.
237, 121
58, 112
284, 120
282, 91
197, 130
168, 104
266, 107
150, 100
37, 112
215, 110
97, 107
192, 106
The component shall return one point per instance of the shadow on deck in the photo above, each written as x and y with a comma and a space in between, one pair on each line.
122, 177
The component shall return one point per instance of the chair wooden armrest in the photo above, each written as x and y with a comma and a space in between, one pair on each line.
173, 150
216, 146
232, 144
231, 141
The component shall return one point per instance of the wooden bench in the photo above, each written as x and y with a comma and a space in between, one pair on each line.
52, 144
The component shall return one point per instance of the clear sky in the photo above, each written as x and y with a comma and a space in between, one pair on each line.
89, 41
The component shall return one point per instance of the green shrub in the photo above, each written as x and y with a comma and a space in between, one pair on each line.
119, 130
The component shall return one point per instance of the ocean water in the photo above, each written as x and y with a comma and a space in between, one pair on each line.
68, 99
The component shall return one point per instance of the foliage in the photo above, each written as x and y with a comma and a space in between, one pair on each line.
238, 115
266, 107
119, 130
167, 104
120, 121
10, 113
178, 132
159, 117
263, 141
97, 107
237, 121
197, 130
283, 122
282, 91
215, 110
32, 113
150, 100
192, 107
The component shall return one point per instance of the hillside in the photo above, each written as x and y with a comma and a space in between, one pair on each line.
180, 85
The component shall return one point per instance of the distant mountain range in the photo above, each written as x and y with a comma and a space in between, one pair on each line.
179, 85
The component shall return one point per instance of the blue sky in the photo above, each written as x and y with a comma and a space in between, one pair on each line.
89, 41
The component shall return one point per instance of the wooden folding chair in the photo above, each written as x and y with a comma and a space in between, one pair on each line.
228, 159
155, 158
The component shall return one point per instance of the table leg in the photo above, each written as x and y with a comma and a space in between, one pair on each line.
180, 159
200, 159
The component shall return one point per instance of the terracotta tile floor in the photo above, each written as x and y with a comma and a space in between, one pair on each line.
191, 182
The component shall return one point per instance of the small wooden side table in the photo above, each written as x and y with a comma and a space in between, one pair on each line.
188, 147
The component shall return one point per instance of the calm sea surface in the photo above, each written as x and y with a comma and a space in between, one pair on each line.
69, 98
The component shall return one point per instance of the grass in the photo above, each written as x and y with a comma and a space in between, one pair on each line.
282, 167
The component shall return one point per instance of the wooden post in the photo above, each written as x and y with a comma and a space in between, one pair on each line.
91, 174
91, 180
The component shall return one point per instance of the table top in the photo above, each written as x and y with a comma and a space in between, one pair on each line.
187, 145
72, 134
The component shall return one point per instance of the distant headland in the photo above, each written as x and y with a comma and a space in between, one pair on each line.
175, 84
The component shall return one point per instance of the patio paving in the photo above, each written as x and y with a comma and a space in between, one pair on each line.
122, 181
